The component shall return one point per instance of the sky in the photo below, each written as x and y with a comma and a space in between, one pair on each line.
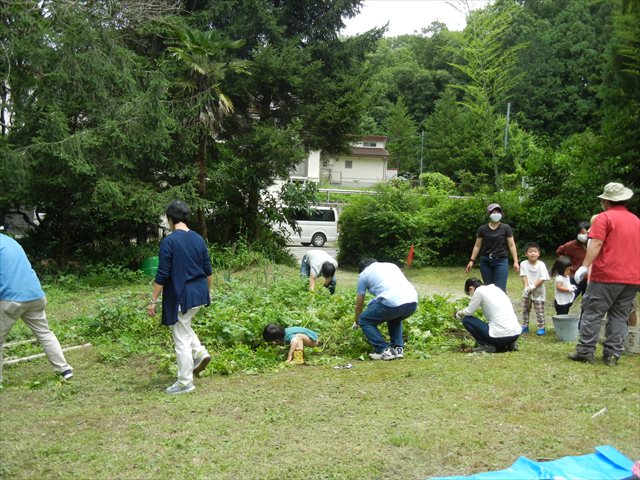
409, 16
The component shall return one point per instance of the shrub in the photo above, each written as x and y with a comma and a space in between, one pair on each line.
441, 228
231, 327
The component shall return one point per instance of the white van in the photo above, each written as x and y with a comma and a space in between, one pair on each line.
318, 225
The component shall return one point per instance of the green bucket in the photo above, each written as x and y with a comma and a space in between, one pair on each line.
150, 266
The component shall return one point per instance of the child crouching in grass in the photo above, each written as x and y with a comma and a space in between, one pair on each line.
296, 337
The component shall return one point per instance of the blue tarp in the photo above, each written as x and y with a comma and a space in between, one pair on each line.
606, 464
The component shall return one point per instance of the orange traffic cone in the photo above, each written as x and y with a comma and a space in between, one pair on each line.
410, 257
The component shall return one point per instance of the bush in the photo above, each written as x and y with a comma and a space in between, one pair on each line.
231, 327
442, 229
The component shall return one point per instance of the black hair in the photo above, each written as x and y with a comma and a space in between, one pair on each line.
273, 332
365, 262
178, 211
328, 270
531, 245
471, 282
560, 265
583, 226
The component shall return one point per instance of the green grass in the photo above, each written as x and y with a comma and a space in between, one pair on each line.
452, 413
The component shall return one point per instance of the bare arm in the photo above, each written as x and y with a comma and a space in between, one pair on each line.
474, 253
511, 243
359, 307
312, 281
157, 290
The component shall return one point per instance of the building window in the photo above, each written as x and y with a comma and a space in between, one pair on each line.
348, 164
369, 144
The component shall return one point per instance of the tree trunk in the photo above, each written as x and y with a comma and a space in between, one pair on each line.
202, 183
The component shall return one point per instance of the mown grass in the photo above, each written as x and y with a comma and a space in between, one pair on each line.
452, 413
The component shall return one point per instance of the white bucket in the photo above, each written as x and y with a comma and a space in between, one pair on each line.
566, 327
632, 342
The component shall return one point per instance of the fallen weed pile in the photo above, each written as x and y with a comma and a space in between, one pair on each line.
231, 327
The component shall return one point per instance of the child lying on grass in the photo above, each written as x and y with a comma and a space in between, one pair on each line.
296, 337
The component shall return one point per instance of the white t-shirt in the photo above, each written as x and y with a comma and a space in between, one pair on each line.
563, 298
315, 259
537, 271
497, 309
387, 282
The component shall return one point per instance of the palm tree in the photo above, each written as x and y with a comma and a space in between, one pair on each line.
205, 55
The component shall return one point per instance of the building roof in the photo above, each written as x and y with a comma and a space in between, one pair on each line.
369, 152
379, 138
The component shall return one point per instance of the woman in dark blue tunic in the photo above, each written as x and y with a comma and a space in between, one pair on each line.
184, 279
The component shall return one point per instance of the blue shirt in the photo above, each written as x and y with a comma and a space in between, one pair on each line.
183, 268
18, 281
387, 282
291, 332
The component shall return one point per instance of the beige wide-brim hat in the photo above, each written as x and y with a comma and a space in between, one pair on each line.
616, 192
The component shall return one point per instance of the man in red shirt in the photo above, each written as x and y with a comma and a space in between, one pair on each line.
614, 256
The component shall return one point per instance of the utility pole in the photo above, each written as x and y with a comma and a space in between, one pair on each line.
421, 151
506, 128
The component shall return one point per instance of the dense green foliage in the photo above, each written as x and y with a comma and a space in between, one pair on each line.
441, 228
108, 110
231, 327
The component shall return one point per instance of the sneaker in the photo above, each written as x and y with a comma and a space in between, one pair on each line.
485, 348
525, 329
200, 362
177, 388
67, 374
513, 347
298, 357
540, 331
610, 360
386, 354
579, 357
398, 352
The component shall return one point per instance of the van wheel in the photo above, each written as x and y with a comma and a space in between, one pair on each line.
318, 240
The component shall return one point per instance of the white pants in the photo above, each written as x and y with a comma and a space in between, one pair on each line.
32, 313
187, 345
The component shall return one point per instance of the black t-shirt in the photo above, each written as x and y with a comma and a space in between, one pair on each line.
494, 242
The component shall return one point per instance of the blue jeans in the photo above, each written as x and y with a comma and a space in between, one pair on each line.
305, 272
377, 313
479, 330
495, 270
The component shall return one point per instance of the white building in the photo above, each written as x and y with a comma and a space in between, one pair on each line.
365, 165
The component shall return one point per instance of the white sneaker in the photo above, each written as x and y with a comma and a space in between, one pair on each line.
67, 374
200, 362
177, 388
386, 354
398, 352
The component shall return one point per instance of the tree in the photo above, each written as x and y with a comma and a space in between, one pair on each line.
204, 54
403, 144
491, 72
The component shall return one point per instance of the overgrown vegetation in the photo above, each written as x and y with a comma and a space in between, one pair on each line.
231, 326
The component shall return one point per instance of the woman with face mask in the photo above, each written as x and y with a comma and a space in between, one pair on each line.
576, 250
493, 240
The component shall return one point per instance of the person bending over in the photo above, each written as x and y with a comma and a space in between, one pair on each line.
296, 337
317, 263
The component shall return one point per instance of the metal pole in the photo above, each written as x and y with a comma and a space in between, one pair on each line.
421, 150
506, 127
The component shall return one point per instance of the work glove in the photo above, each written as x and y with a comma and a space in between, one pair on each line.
459, 315
580, 274
573, 288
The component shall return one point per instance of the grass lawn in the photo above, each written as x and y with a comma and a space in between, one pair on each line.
452, 413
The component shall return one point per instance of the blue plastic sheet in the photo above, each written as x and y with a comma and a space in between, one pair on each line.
606, 464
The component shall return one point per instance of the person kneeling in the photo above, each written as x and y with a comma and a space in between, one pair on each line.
502, 329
